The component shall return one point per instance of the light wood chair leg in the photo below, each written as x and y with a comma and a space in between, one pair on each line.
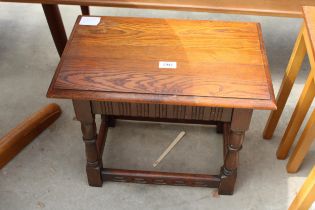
306, 195
302, 146
298, 116
292, 70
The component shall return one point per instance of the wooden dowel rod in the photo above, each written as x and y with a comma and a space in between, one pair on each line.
169, 148
16, 139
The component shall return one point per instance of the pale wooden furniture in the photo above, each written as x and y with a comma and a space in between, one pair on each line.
303, 145
306, 195
15, 140
287, 8
304, 44
112, 69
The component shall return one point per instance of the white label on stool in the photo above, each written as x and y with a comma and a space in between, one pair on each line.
167, 65
90, 21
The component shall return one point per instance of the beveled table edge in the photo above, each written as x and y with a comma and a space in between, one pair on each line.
262, 104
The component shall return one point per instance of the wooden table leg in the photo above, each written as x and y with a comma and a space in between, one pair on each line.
240, 123
56, 26
85, 10
290, 75
306, 195
302, 146
94, 164
14, 141
298, 116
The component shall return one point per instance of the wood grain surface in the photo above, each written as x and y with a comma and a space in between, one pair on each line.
289, 8
120, 56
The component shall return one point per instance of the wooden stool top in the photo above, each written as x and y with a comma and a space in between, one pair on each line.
218, 64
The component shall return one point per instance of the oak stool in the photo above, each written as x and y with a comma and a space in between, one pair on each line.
205, 72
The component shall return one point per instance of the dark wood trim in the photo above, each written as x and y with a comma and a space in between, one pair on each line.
161, 111
167, 99
165, 120
161, 178
56, 26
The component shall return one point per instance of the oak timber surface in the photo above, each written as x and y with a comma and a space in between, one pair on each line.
216, 61
290, 8
309, 16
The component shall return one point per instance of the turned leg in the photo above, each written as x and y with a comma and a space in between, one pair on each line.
93, 158
292, 70
56, 27
235, 137
298, 116
85, 10
302, 146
